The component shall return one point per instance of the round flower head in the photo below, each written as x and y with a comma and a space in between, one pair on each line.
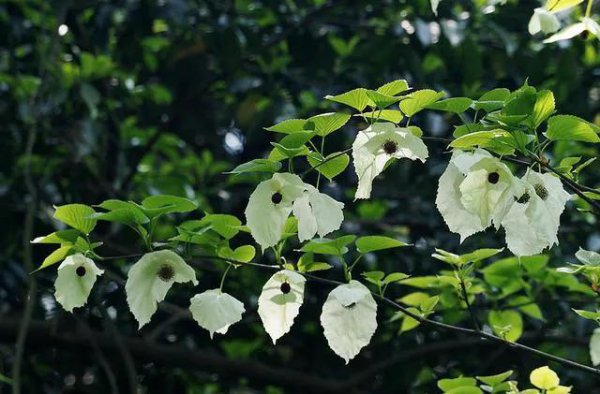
543, 21
379, 143
317, 213
531, 224
474, 191
269, 206
150, 279
215, 311
76, 277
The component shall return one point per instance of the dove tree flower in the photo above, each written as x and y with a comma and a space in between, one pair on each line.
317, 213
543, 21
376, 145
149, 280
475, 191
531, 224
215, 311
586, 24
273, 201
76, 277
349, 319
280, 301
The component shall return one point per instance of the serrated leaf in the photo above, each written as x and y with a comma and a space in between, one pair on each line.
336, 247
492, 100
56, 256
571, 128
325, 124
394, 87
381, 100
356, 98
288, 126
479, 138
257, 165
455, 105
543, 108
333, 165
417, 101
163, 204
76, 216
387, 115
373, 243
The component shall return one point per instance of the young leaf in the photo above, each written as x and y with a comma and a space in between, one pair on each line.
492, 100
418, 100
356, 98
56, 256
543, 108
280, 301
58, 237
289, 126
336, 247
568, 127
257, 165
381, 100
455, 105
387, 115
77, 216
507, 324
325, 124
376, 242
333, 165
493, 380
394, 87
479, 138
155, 206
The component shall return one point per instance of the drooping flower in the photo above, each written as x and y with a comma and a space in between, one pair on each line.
531, 224
585, 25
317, 213
475, 191
215, 311
149, 280
76, 277
280, 301
376, 145
269, 206
349, 319
543, 21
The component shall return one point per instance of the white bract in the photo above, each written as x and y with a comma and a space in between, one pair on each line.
595, 347
149, 280
475, 191
543, 21
376, 145
76, 277
215, 311
317, 213
349, 319
280, 301
532, 222
586, 24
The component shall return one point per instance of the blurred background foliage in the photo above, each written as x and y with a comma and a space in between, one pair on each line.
122, 99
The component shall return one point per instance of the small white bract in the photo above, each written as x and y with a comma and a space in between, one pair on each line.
269, 206
475, 191
349, 319
76, 277
317, 213
376, 145
215, 311
532, 222
543, 21
585, 25
280, 301
149, 280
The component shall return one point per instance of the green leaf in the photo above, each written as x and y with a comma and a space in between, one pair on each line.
293, 145
449, 384
356, 98
374, 277
289, 126
381, 100
257, 165
464, 129
543, 108
520, 102
242, 254
465, 390
409, 323
335, 163
527, 306
417, 101
280, 152
162, 204
336, 247
492, 100
429, 304
387, 115
414, 299
57, 256
571, 128
588, 314
325, 124
123, 212
306, 263
479, 138
227, 226
456, 105
493, 380
506, 324
394, 87
373, 243
560, 5
76, 216
58, 237
480, 254
395, 277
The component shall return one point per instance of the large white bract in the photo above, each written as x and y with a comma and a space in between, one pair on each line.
317, 213
149, 280
474, 191
280, 301
215, 311
377, 144
349, 319
76, 277
531, 224
543, 21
